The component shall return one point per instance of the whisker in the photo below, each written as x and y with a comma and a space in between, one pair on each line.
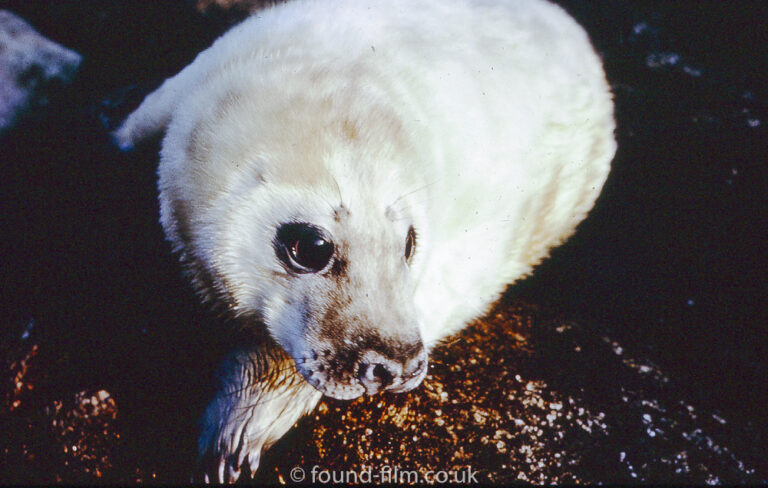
421, 188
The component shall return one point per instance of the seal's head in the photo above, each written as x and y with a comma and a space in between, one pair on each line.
337, 312
297, 210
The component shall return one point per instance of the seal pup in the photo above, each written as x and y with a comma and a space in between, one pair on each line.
355, 180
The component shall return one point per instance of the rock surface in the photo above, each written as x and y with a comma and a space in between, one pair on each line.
520, 396
29, 65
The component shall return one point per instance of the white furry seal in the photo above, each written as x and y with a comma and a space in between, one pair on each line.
360, 178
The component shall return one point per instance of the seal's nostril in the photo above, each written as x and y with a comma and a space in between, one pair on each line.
416, 369
375, 376
383, 375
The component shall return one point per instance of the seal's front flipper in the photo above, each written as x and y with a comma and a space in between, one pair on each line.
260, 395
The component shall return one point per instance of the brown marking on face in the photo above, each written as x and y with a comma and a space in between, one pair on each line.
338, 268
333, 322
340, 213
393, 349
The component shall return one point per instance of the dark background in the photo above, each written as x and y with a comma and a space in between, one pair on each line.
672, 261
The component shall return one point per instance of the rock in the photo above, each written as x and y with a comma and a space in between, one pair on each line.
517, 397
29, 65
71, 436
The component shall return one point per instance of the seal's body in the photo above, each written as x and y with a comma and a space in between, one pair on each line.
360, 178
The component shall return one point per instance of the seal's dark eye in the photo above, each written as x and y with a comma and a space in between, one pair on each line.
410, 243
304, 248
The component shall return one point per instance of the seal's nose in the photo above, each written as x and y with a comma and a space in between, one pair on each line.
377, 372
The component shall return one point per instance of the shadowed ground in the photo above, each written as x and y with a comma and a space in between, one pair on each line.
519, 396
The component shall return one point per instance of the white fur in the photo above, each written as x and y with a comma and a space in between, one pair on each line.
485, 124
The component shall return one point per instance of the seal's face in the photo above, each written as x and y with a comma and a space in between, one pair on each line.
334, 287
294, 218
348, 331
